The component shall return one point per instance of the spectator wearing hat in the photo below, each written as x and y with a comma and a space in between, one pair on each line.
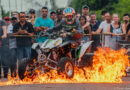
11, 45
5, 48
7, 20
15, 14
53, 16
85, 11
27, 18
32, 17
59, 16
14, 20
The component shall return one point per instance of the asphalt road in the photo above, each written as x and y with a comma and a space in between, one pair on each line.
73, 86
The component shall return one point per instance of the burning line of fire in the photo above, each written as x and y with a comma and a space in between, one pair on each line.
108, 66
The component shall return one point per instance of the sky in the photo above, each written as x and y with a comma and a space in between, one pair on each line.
24, 5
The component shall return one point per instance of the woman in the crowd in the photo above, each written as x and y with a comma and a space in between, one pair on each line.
85, 27
116, 30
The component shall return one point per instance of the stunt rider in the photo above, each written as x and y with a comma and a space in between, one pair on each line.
69, 24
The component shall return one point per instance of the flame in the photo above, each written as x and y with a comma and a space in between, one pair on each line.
108, 66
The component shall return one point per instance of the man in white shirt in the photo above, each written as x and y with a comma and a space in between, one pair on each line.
103, 28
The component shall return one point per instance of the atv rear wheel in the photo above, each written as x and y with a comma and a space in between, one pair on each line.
25, 69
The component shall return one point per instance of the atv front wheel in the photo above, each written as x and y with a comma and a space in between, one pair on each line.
66, 66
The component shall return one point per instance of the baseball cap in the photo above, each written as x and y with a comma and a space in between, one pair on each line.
13, 18
32, 11
58, 11
85, 6
6, 18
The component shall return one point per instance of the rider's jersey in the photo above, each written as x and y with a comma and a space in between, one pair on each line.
67, 27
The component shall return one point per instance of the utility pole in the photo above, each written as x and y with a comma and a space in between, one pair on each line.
0, 10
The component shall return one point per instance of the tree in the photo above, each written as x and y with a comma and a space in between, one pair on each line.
4, 13
93, 4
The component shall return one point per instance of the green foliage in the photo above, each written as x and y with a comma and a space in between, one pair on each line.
4, 13
122, 7
93, 4
97, 6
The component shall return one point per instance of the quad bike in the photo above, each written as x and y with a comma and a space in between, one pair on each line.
53, 54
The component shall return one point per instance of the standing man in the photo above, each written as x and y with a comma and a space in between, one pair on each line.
103, 28
23, 43
85, 11
32, 16
43, 23
94, 24
126, 24
3, 35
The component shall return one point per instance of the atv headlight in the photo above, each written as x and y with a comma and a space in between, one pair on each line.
46, 50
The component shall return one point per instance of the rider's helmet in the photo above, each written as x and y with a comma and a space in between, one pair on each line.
69, 14
69, 11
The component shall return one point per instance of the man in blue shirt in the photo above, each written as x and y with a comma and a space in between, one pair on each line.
43, 23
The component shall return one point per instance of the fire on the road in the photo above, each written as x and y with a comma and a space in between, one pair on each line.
108, 66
